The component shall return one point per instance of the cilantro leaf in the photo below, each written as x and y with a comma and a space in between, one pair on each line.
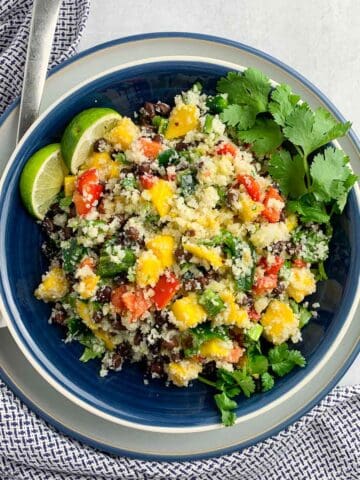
94, 347
241, 116
282, 103
72, 255
65, 202
313, 244
257, 364
203, 333
250, 88
267, 381
311, 130
309, 209
331, 175
245, 381
289, 173
302, 312
226, 405
283, 360
265, 136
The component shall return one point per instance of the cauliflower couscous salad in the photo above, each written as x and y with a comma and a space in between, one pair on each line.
188, 237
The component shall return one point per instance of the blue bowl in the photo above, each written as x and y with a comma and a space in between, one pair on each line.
122, 396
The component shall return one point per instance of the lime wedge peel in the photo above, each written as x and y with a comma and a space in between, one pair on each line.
42, 179
81, 133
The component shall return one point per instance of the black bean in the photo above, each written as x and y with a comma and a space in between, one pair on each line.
125, 350
279, 289
162, 109
114, 152
117, 324
49, 249
232, 197
237, 335
101, 145
155, 348
121, 279
132, 233
138, 337
103, 294
181, 255
157, 138
157, 369
180, 146
48, 226
161, 319
98, 316
116, 361
144, 168
209, 369
149, 110
72, 211
54, 210
58, 315
66, 233
170, 344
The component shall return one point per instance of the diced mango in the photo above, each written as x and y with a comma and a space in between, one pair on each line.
85, 312
103, 162
291, 222
87, 286
54, 285
302, 283
209, 254
69, 185
188, 313
248, 210
124, 133
161, 194
181, 373
216, 348
183, 119
148, 269
163, 247
279, 322
234, 314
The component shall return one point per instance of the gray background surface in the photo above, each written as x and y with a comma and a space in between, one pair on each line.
319, 38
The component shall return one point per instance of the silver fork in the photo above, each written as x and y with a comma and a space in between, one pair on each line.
42, 29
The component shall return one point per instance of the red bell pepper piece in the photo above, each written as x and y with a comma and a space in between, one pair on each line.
272, 210
150, 148
251, 185
265, 284
136, 303
165, 289
88, 191
226, 148
147, 180
299, 263
273, 268
116, 297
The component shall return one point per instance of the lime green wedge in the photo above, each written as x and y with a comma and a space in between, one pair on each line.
81, 133
41, 179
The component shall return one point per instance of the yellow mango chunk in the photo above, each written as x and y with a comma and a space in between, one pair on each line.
161, 194
209, 254
87, 286
279, 322
215, 348
69, 185
124, 133
234, 314
85, 312
163, 247
148, 269
106, 167
302, 283
188, 313
54, 285
248, 209
291, 222
181, 373
183, 119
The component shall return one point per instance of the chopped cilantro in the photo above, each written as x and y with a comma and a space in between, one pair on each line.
302, 312
129, 182
245, 381
257, 364
309, 209
265, 136
75, 326
212, 302
108, 267
267, 381
314, 244
283, 360
168, 157
226, 407
202, 334
187, 183
72, 255
242, 116
65, 202
94, 347
282, 103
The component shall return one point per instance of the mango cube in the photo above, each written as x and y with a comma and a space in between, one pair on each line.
279, 322
163, 247
248, 209
291, 222
124, 133
69, 185
183, 119
54, 285
181, 373
161, 194
85, 312
106, 167
188, 313
302, 283
148, 269
209, 254
87, 286
216, 348
234, 314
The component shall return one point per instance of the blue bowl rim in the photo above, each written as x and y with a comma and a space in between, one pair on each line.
353, 138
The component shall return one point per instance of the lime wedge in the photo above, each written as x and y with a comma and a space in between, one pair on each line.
41, 179
81, 133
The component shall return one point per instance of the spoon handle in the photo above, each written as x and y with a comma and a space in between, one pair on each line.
42, 29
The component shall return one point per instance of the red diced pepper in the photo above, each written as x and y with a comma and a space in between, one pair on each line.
136, 303
226, 148
253, 315
116, 297
273, 268
150, 148
82, 207
299, 263
165, 289
90, 189
251, 185
147, 180
265, 284
272, 212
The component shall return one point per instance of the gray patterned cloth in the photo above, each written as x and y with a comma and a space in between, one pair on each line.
324, 445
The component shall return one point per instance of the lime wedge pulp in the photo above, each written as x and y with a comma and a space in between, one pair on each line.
81, 133
42, 179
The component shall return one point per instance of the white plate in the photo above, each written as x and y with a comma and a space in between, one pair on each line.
52, 405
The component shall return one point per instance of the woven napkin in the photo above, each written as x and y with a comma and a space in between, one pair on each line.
324, 444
